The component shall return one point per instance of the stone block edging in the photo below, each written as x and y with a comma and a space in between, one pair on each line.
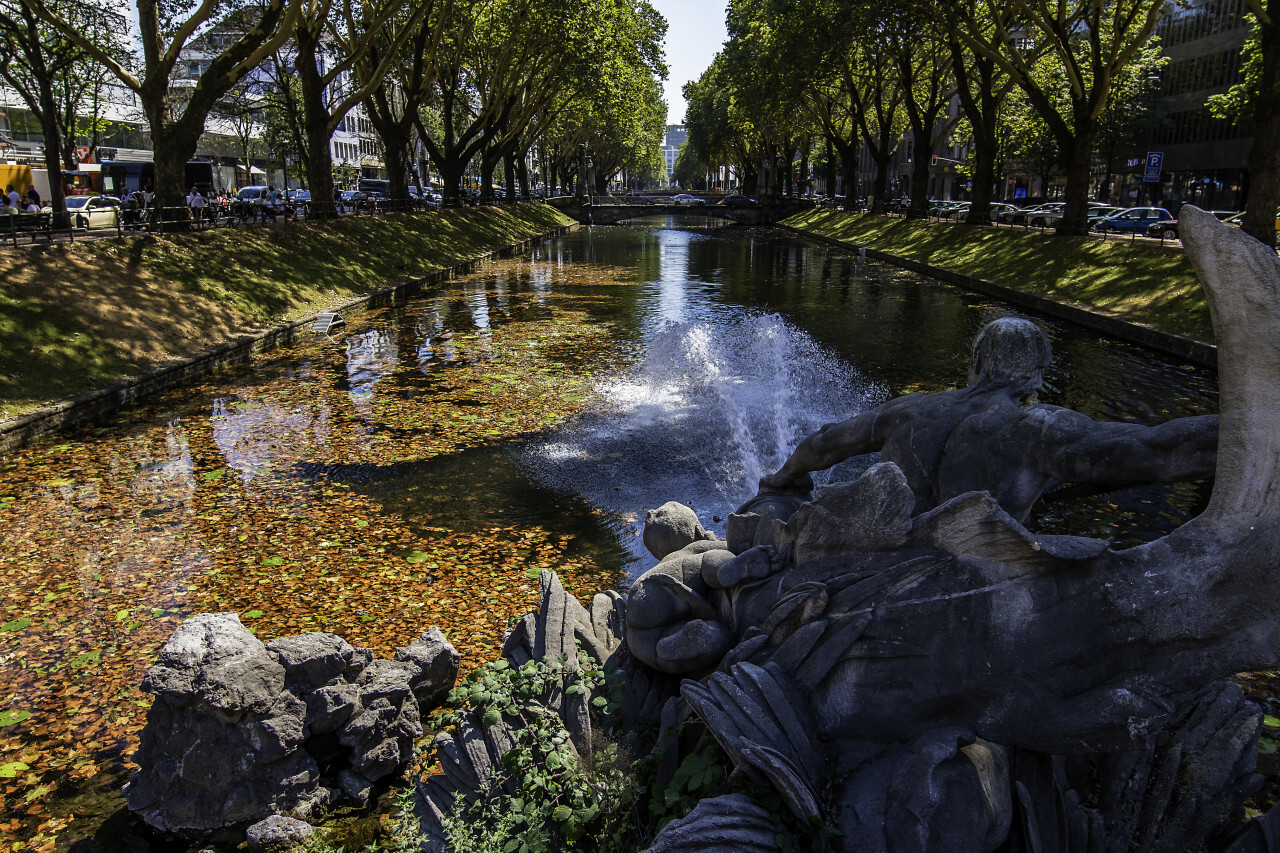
1199, 353
21, 430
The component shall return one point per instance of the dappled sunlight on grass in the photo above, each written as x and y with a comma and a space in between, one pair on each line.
76, 316
1140, 283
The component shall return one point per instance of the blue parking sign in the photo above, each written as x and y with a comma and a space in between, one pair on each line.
1155, 163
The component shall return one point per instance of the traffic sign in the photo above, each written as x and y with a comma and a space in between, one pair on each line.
1155, 163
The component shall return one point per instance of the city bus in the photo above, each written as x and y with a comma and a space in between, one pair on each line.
125, 176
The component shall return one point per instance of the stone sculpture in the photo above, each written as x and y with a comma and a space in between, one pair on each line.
242, 730
899, 657
903, 650
982, 438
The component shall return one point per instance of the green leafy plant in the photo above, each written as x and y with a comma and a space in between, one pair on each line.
550, 795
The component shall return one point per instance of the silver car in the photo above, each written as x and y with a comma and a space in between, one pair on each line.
93, 211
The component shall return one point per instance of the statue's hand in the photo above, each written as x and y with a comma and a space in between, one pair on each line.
759, 562
781, 483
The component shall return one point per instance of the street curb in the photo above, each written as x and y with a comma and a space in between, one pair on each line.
1190, 350
97, 402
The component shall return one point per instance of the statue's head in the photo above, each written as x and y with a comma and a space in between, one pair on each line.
671, 527
1010, 351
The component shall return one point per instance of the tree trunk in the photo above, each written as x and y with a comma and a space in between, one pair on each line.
53, 156
804, 167
920, 174
397, 150
488, 162
881, 185
980, 98
509, 172
1075, 216
316, 119
848, 152
172, 151
831, 169
451, 178
522, 172
984, 179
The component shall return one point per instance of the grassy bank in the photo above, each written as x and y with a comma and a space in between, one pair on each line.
1136, 282
76, 316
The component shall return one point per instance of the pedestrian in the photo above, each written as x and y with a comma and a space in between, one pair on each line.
337, 198
132, 210
197, 203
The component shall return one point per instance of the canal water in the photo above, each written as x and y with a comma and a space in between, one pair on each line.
421, 464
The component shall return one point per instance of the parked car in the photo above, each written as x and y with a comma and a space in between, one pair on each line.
1006, 214
1041, 216
297, 195
1135, 219
735, 200
253, 195
948, 209
1097, 211
423, 197
687, 200
1168, 229
356, 199
92, 211
638, 198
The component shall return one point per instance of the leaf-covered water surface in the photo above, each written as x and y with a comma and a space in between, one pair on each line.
356, 484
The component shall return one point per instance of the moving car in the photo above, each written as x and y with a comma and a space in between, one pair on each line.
687, 200
735, 200
1135, 219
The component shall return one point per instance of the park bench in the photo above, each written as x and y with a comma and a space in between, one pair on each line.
28, 224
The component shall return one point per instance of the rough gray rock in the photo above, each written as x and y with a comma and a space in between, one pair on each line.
315, 660
437, 663
278, 833
222, 744
238, 727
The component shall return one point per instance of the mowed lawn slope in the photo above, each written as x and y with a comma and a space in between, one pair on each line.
75, 316
1133, 281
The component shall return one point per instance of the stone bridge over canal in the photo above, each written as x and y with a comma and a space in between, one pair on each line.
612, 214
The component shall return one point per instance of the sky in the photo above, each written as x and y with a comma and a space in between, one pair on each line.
695, 34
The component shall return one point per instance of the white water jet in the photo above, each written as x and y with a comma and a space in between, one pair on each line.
714, 405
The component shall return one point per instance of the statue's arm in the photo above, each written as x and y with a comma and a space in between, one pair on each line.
1078, 449
830, 445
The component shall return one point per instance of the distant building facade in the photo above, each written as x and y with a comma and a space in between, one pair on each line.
1205, 158
676, 136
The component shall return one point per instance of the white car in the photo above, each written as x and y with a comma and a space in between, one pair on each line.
92, 211
686, 199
